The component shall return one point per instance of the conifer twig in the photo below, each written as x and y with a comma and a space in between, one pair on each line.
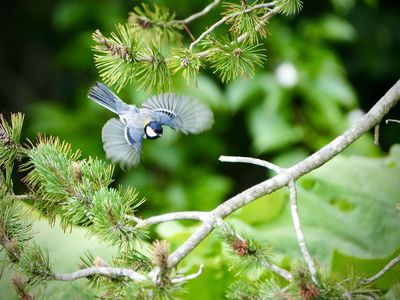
188, 277
281, 272
205, 11
386, 268
299, 231
226, 18
182, 215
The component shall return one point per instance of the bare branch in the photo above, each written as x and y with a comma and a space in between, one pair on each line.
226, 18
281, 272
103, 271
386, 268
299, 231
376, 135
250, 160
188, 277
368, 121
392, 120
22, 197
183, 215
191, 243
205, 11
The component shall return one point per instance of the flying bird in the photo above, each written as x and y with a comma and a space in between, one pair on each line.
122, 137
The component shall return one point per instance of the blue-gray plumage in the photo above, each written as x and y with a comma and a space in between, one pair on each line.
122, 138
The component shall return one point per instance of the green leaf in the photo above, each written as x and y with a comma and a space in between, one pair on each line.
331, 28
242, 92
394, 293
270, 129
255, 212
348, 205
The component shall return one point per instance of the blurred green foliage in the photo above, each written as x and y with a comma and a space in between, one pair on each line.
341, 56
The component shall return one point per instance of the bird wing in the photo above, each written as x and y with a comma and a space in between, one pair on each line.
179, 112
121, 143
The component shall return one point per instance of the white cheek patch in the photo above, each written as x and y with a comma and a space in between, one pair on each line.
150, 132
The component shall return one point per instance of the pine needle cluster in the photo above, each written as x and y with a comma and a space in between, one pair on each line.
148, 49
244, 252
301, 287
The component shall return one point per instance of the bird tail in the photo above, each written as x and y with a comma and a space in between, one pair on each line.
103, 96
118, 145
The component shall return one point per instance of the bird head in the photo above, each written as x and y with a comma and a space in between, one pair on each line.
153, 130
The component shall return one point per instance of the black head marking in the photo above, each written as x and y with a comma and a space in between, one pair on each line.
153, 130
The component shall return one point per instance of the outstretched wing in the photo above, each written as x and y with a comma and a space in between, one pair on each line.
180, 112
121, 143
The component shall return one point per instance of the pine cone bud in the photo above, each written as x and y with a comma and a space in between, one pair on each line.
240, 247
76, 169
309, 291
99, 262
160, 254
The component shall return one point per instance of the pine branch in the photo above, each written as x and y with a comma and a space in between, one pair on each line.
246, 252
227, 18
328, 152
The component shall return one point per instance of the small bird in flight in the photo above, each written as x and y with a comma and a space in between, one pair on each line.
122, 138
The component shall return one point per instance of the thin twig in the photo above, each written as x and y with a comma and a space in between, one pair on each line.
264, 18
386, 268
205, 11
299, 231
250, 160
103, 271
182, 215
188, 32
188, 277
281, 272
392, 120
368, 121
22, 197
376, 135
226, 18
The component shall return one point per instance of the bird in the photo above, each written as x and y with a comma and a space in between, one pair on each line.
122, 137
